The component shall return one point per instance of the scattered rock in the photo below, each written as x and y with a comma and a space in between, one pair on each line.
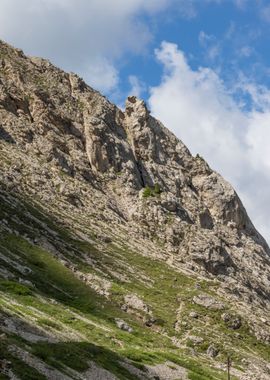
150, 322
226, 317
196, 339
5, 365
209, 302
231, 321
26, 282
212, 351
194, 314
132, 301
123, 325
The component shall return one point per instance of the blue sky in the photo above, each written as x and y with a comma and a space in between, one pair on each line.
203, 67
230, 37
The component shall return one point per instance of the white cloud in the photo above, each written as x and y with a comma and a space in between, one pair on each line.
136, 86
196, 105
101, 74
75, 34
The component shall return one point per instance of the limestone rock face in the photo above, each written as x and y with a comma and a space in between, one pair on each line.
123, 175
54, 117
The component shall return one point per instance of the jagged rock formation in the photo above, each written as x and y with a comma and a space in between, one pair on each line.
122, 182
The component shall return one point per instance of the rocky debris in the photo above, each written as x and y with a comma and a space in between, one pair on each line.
20, 268
149, 322
123, 325
26, 282
177, 342
231, 321
193, 314
97, 373
30, 333
43, 368
256, 372
5, 366
167, 371
262, 334
212, 351
164, 371
208, 302
133, 302
101, 285
195, 339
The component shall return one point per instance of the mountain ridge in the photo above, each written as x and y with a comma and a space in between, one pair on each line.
122, 182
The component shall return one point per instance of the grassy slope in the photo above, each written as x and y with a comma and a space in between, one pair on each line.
60, 303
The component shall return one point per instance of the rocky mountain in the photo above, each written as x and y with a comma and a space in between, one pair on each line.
122, 256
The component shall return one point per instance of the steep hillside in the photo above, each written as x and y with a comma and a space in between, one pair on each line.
122, 256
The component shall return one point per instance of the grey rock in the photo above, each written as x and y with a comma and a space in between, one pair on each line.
196, 339
193, 314
123, 325
134, 302
212, 351
232, 322
208, 302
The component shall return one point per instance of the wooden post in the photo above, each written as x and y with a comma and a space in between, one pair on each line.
229, 363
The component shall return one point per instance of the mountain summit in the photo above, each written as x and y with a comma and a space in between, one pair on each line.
122, 256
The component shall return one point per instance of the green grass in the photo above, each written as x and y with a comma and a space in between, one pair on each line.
15, 288
49, 323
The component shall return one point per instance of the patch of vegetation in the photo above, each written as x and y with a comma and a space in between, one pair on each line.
15, 288
48, 322
152, 191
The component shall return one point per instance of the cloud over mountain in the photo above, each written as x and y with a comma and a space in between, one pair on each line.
198, 107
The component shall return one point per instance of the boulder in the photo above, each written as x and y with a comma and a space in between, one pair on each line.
212, 351
208, 302
123, 325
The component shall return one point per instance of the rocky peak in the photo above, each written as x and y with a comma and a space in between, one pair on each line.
81, 153
137, 108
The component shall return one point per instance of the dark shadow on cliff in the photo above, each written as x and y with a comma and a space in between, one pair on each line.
4, 135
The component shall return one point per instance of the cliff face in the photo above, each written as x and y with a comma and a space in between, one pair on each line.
121, 182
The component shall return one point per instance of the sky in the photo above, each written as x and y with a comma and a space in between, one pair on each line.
202, 66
